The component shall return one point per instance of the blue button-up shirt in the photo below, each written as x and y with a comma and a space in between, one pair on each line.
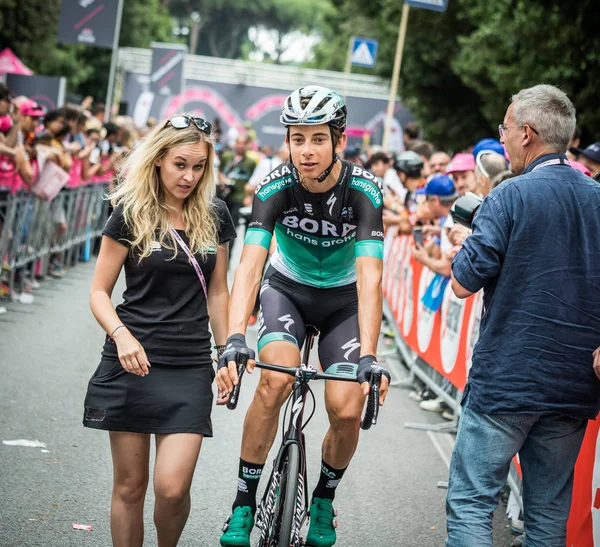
535, 250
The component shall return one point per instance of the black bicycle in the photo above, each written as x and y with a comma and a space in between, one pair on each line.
284, 505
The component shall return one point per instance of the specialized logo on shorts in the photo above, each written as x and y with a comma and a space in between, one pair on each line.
287, 320
351, 345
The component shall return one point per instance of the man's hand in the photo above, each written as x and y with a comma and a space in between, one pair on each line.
366, 365
227, 375
597, 362
420, 254
458, 234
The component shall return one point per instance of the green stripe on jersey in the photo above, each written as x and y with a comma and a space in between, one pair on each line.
369, 247
369, 188
258, 236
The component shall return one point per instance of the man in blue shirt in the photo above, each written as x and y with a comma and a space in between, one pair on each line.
535, 250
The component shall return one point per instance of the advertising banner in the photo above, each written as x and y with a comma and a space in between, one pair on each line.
89, 22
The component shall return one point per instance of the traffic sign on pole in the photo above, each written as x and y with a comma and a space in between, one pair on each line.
437, 5
363, 52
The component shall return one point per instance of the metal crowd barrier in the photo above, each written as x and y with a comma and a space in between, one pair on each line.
34, 232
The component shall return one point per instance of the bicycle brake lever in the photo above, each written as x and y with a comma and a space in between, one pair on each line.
242, 359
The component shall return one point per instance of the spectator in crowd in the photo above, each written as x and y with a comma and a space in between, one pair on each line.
425, 150
440, 195
490, 145
5, 101
155, 375
489, 164
438, 163
502, 177
380, 165
532, 386
57, 128
573, 149
235, 171
98, 114
590, 157
409, 167
411, 133
462, 170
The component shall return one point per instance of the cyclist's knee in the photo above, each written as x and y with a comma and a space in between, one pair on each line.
344, 416
273, 389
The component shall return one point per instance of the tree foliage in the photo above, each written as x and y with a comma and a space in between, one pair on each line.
224, 24
30, 29
461, 67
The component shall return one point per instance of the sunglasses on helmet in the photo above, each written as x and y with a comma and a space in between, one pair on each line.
183, 122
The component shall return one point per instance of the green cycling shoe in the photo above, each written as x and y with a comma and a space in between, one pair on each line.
236, 531
321, 532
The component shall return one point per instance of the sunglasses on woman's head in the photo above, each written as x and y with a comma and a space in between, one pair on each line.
183, 122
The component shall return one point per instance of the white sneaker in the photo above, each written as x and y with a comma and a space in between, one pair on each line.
448, 415
434, 405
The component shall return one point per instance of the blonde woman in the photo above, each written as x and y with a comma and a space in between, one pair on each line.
170, 234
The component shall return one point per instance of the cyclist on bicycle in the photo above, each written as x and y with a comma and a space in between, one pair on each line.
326, 271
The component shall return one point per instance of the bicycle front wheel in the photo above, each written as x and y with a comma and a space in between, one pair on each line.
289, 495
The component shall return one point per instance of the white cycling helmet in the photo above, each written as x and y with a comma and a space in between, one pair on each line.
325, 107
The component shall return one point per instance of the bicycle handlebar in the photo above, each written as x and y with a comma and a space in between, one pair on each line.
372, 409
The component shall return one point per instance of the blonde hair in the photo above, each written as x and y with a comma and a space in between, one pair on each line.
141, 194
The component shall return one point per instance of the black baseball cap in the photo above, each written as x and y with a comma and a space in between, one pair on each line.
592, 152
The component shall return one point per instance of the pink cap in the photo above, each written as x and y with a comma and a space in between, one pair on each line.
5, 123
580, 167
31, 108
461, 162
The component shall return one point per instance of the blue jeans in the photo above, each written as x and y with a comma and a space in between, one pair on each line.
548, 446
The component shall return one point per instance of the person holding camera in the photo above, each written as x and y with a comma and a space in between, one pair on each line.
535, 251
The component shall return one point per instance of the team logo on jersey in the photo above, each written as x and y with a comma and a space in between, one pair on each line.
308, 208
368, 184
278, 180
331, 202
155, 246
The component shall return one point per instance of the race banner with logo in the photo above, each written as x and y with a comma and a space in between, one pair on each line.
89, 22
445, 340
236, 105
166, 76
47, 91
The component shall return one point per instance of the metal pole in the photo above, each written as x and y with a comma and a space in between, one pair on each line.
395, 75
113, 63
348, 68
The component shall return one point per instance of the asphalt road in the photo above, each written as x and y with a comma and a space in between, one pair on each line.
49, 350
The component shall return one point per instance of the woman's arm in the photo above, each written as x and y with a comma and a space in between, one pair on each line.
108, 266
218, 297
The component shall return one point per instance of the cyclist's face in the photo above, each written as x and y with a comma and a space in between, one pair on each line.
311, 148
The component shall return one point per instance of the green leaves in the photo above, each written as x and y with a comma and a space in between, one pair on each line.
461, 67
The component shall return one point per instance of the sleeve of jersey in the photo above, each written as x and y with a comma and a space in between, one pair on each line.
265, 207
368, 205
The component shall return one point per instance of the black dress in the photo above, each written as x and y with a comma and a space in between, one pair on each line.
165, 309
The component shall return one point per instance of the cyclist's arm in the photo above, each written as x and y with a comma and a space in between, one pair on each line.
265, 208
368, 207
370, 302
245, 287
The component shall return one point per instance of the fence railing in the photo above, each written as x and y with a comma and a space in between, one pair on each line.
35, 232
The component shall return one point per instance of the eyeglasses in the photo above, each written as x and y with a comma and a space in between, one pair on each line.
502, 129
183, 122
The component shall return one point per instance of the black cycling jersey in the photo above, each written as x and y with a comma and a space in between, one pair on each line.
319, 235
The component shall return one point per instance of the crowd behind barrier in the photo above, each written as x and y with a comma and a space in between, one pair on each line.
437, 346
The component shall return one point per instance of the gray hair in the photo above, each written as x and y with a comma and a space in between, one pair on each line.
493, 164
549, 111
